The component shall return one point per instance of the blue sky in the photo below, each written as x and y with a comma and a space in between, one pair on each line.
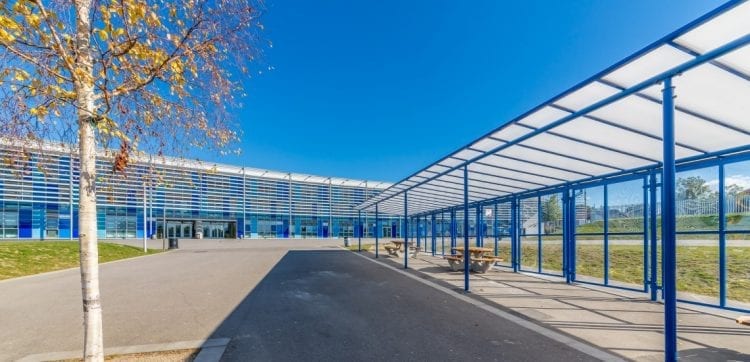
379, 89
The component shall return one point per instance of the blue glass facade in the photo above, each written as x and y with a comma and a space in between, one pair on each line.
39, 196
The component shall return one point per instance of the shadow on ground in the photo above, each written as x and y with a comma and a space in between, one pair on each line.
330, 305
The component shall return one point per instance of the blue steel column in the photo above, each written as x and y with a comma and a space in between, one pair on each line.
652, 234
539, 231
359, 230
669, 239
442, 232
406, 231
495, 228
566, 234
377, 230
572, 235
514, 234
645, 235
466, 228
722, 242
478, 226
454, 230
434, 234
606, 235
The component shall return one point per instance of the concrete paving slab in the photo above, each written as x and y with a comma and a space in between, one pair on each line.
622, 321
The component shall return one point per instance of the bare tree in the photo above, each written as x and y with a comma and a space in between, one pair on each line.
129, 75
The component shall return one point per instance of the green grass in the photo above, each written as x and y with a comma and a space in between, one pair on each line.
697, 266
34, 257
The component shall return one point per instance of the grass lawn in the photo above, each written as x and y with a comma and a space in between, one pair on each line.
34, 257
697, 266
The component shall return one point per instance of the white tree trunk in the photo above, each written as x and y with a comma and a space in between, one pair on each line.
92, 307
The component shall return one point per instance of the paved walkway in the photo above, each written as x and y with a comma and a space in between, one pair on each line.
622, 322
275, 299
175, 296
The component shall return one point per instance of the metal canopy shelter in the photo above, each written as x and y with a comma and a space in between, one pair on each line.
682, 99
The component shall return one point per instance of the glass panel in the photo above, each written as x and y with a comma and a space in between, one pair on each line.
698, 200
625, 206
590, 210
738, 265
530, 253
552, 254
529, 216
590, 258
698, 267
737, 195
626, 260
552, 214
503, 230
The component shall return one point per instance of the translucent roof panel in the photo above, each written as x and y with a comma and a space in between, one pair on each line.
610, 124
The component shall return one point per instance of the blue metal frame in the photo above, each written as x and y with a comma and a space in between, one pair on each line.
359, 231
514, 235
377, 231
654, 282
406, 230
669, 239
467, 255
454, 231
478, 226
495, 228
433, 226
722, 241
606, 235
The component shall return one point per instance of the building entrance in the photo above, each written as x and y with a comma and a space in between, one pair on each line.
180, 229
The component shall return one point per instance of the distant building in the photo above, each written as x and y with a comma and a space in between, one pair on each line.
178, 198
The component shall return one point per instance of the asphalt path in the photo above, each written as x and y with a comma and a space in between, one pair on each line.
276, 300
324, 305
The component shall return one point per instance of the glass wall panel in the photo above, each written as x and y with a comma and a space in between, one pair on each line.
698, 267
590, 234
738, 270
626, 237
552, 228
737, 195
503, 230
698, 200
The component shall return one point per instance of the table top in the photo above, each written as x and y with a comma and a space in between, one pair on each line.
475, 249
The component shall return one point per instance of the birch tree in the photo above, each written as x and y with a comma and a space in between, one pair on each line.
127, 75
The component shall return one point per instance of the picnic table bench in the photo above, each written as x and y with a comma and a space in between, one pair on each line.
479, 262
396, 247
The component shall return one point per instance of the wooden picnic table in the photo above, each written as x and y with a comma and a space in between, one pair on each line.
479, 262
475, 251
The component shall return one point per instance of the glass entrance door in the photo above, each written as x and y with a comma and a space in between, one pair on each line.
179, 229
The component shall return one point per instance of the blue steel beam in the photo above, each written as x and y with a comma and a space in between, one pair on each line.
669, 238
